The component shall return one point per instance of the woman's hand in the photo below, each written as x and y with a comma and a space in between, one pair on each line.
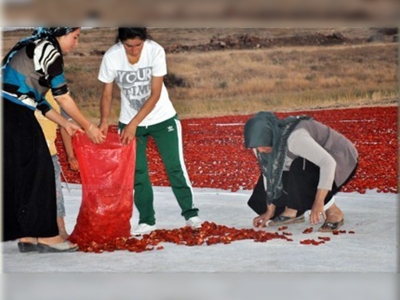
69, 106
95, 135
262, 219
128, 133
104, 127
73, 163
71, 128
318, 210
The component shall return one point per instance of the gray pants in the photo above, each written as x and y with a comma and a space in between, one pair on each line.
60, 197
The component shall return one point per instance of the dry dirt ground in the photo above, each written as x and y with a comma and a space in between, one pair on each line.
97, 40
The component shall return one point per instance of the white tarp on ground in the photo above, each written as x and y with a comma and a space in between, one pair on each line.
372, 249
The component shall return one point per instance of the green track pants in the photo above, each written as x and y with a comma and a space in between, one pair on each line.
168, 139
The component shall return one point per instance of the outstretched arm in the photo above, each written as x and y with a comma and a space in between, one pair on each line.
302, 144
70, 127
129, 132
105, 106
70, 107
67, 141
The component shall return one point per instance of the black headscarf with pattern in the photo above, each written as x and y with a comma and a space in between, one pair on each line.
264, 129
49, 33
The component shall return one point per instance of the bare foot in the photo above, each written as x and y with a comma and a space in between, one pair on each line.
63, 233
52, 241
334, 214
289, 212
31, 240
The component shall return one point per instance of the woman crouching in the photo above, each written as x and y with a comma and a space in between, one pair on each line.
304, 163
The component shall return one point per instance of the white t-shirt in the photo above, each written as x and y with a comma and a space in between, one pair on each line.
134, 81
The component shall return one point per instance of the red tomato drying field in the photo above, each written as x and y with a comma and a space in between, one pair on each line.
216, 158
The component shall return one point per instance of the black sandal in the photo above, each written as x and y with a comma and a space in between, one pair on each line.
331, 226
27, 247
284, 220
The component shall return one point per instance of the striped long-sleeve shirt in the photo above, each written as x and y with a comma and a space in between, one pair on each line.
31, 72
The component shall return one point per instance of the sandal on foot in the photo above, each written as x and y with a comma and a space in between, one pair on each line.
65, 246
27, 247
284, 220
331, 226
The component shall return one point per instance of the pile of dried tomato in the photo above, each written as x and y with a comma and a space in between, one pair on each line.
210, 234
216, 157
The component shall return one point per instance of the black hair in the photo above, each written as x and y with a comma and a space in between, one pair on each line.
125, 33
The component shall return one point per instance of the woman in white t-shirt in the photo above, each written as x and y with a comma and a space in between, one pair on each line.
137, 64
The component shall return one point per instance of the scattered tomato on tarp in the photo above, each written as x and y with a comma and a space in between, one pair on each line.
209, 234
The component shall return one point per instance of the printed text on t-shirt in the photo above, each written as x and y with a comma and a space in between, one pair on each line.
135, 86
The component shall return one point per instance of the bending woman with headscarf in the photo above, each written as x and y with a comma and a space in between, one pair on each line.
304, 163
32, 68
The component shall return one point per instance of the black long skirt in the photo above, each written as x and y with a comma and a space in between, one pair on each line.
300, 186
29, 194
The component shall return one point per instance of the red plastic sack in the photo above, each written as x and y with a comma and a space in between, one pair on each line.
107, 174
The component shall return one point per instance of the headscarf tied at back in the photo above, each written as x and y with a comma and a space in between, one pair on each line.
49, 33
264, 129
